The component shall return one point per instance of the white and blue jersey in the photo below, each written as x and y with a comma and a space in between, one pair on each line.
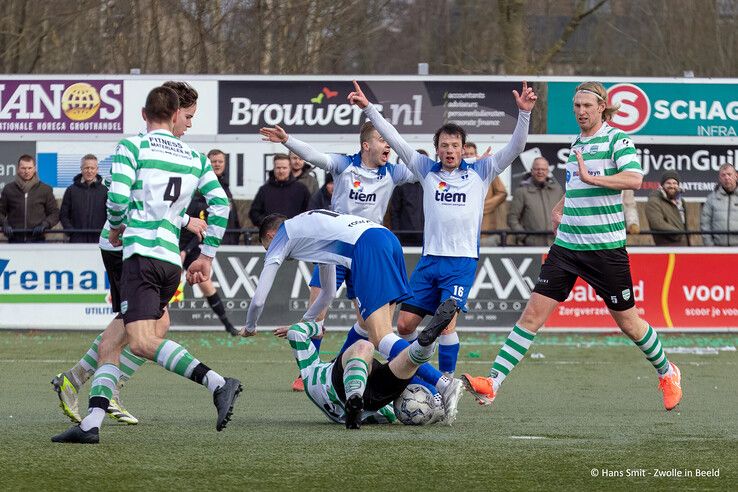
453, 204
371, 252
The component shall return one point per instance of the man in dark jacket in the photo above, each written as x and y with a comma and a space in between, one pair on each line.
530, 209
303, 173
666, 211
27, 203
321, 199
83, 206
281, 194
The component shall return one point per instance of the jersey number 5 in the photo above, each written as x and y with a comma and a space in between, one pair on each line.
174, 188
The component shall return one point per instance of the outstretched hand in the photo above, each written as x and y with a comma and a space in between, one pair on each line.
357, 97
526, 99
281, 332
276, 134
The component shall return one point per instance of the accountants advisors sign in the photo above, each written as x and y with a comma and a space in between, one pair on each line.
413, 106
61, 106
707, 110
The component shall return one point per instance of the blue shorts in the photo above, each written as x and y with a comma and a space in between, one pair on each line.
436, 278
378, 271
342, 273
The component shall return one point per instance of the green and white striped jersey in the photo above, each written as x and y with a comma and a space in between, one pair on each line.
317, 377
593, 216
154, 177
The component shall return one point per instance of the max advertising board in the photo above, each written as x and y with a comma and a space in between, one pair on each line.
697, 165
65, 286
321, 106
698, 109
61, 106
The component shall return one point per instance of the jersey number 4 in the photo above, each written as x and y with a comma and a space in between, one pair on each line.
174, 188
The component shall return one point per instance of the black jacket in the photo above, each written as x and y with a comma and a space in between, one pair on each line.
83, 207
288, 197
320, 199
21, 211
406, 213
199, 209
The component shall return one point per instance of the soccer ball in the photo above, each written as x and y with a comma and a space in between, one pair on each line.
416, 406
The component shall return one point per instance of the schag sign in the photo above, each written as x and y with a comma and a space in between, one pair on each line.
321, 106
697, 165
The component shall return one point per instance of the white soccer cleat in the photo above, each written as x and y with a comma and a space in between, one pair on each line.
451, 395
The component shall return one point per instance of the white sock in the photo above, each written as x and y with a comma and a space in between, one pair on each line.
442, 383
93, 419
410, 337
420, 355
386, 344
213, 380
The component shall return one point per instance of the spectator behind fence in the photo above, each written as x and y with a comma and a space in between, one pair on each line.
530, 209
495, 196
666, 211
720, 211
406, 212
83, 205
282, 193
322, 198
27, 203
303, 173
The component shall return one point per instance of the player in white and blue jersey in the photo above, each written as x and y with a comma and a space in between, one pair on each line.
363, 185
373, 256
453, 201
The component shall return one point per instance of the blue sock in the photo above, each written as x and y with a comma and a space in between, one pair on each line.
417, 380
354, 334
448, 352
391, 345
316, 343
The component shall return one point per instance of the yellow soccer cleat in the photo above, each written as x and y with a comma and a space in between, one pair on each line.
67, 392
481, 388
671, 387
117, 411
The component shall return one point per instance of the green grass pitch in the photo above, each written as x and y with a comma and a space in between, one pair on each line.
589, 406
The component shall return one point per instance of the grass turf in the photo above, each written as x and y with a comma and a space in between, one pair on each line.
590, 403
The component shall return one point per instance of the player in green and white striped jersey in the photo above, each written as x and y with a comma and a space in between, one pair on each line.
356, 388
68, 383
590, 243
153, 179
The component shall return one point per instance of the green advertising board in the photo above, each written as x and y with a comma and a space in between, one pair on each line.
655, 108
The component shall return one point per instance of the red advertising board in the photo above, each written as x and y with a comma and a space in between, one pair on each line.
682, 290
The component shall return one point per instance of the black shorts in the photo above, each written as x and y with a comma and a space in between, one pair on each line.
382, 387
113, 261
606, 270
147, 286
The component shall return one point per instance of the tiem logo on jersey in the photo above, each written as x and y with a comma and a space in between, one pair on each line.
635, 107
357, 193
445, 195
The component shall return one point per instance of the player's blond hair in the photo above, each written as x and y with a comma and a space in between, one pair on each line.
599, 91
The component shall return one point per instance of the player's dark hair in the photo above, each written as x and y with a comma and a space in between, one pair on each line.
366, 132
26, 158
186, 93
161, 104
270, 223
450, 129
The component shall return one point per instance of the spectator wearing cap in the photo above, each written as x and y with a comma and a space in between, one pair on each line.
720, 211
666, 211
321, 199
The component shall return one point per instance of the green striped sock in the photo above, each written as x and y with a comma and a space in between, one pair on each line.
654, 352
129, 363
89, 361
101, 391
511, 353
355, 372
175, 358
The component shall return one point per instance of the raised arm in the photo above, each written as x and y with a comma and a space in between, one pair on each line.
277, 134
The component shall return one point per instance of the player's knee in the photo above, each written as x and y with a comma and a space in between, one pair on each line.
363, 349
406, 326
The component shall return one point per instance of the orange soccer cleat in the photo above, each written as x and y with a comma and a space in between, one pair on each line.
671, 387
481, 388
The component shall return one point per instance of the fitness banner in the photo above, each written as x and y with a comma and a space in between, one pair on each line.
697, 165
50, 286
321, 106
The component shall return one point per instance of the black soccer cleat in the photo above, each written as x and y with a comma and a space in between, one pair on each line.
77, 435
224, 398
444, 314
230, 328
354, 408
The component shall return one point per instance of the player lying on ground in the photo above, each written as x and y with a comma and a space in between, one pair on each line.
590, 243
154, 177
373, 256
356, 388
453, 206
68, 383
363, 182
